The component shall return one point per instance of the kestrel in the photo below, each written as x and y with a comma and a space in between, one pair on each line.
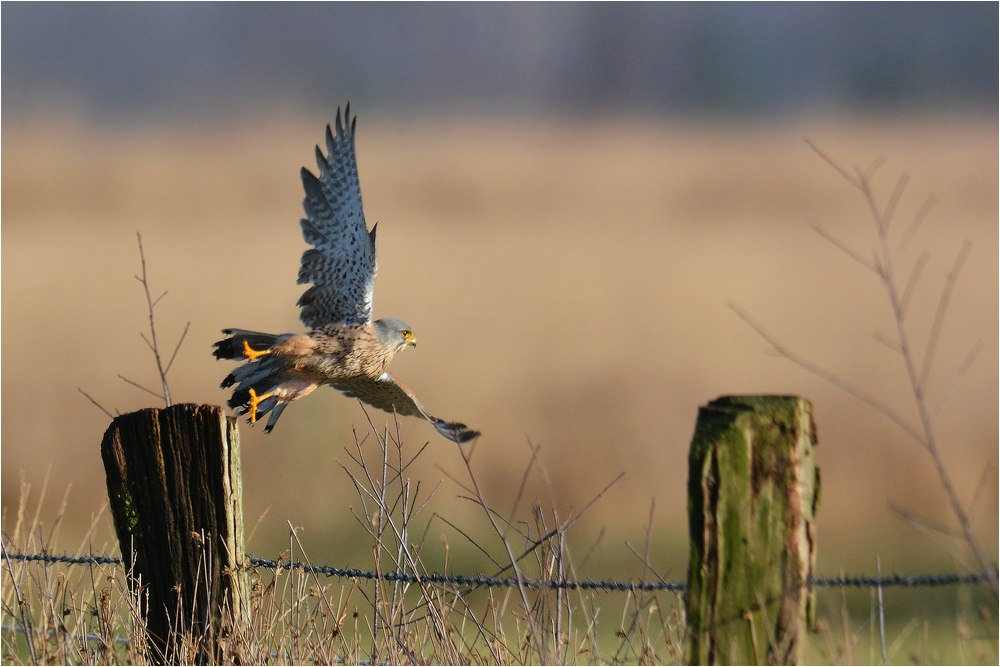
345, 348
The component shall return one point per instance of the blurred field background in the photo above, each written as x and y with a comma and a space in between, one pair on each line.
566, 268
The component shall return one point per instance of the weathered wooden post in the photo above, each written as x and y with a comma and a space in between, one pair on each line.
175, 491
753, 490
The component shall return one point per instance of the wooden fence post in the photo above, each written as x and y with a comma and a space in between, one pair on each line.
753, 490
176, 496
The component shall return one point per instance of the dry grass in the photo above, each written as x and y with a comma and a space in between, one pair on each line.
567, 283
90, 614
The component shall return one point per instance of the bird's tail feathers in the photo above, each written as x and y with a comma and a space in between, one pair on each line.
259, 375
232, 347
251, 373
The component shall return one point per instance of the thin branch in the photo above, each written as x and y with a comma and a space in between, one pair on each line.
833, 163
888, 342
160, 297
894, 198
942, 308
911, 231
152, 323
955, 378
524, 478
566, 526
590, 551
413, 458
176, 349
868, 175
136, 384
934, 534
818, 371
913, 518
151, 342
510, 525
146, 341
917, 379
980, 488
644, 559
918, 387
535, 630
847, 250
879, 268
469, 538
101, 407
911, 284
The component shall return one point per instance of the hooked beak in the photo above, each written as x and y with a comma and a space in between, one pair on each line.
410, 340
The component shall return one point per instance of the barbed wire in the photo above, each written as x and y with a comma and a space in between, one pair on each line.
494, 582
476, 580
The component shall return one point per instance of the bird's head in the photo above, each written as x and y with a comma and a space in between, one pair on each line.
394, 334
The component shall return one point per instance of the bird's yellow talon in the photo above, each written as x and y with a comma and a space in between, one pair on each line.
252, 354
254, 401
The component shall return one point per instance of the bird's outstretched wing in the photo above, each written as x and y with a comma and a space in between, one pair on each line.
341, 264
389, 394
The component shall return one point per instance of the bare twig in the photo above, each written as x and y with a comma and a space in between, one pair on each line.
934, 526
536, 635
955, 378
890, 207
821, 372
942, 308
980, 488
857, 257
934, 533
177, 348
136, 384
884, 262
569, 523
833, 163
100, 407
918, 220
911, 284
151, 341
888, 342
917, 385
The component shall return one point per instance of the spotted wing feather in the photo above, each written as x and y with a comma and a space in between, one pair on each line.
389, 394
341, 264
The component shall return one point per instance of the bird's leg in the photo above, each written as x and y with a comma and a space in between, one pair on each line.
254, 401
252, 354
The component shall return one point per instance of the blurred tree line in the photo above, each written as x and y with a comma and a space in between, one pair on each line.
742, 60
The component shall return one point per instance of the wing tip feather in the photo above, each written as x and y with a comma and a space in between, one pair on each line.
455, 431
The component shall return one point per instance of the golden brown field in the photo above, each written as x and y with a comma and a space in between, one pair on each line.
567, 283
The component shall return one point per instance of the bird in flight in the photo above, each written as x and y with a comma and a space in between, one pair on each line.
344, 348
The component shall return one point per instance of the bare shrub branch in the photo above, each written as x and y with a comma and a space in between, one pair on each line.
151, 342
139, 386
857, 257
821, 372
942, 309
911, 284
100, 407
883, 264
918, 220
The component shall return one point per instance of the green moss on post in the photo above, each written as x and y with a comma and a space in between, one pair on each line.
753, 490
176, 496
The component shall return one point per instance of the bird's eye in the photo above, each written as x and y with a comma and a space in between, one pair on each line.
406, 333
